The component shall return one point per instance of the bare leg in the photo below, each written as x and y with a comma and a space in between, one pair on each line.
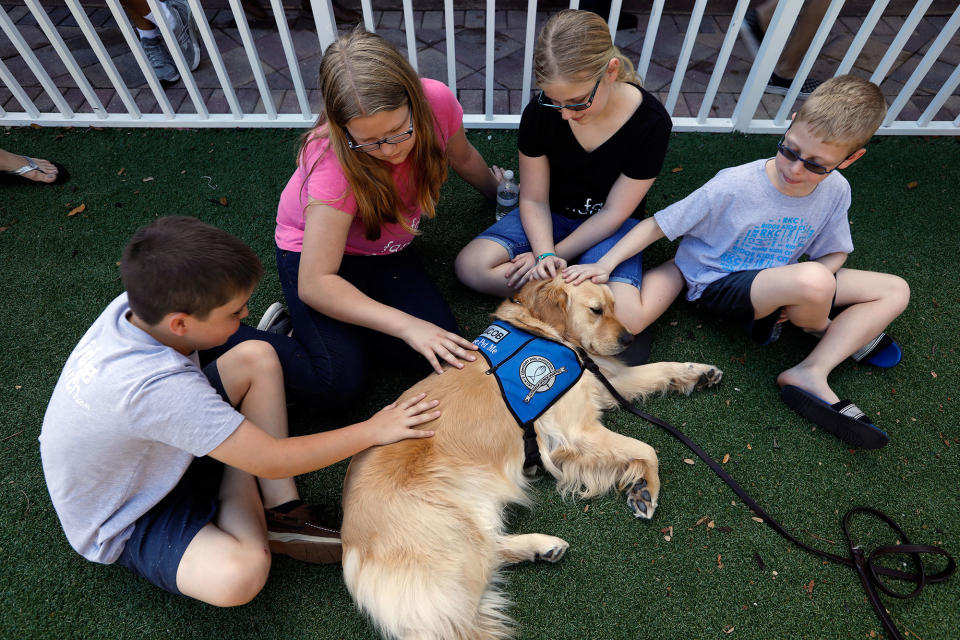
800, 38
875, 300
637, 309
481, 265
227, 563
11, 162
138, 10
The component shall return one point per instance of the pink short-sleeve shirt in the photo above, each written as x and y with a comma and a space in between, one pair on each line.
327, 183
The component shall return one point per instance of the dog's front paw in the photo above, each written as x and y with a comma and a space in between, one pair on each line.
709, 378
640, 501
552, 550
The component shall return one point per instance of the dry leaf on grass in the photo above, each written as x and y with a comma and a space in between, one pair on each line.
912, 184
77, 210
726, 458
688, 461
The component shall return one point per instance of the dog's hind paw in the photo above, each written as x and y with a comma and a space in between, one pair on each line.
555, 550
640, 501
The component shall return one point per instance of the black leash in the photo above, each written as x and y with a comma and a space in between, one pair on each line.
862, 562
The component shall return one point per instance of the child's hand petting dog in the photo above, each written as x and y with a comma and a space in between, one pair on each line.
396, 421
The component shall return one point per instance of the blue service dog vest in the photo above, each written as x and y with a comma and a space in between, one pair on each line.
532, 373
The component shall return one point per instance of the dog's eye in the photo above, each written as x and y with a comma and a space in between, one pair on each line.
597, 310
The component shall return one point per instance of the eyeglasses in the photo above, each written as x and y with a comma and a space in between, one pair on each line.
544, 101
367, 147
809, 165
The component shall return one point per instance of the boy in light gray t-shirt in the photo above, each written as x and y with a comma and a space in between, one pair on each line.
181, 474
743, 236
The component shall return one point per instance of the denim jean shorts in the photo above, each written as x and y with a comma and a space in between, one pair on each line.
508, 233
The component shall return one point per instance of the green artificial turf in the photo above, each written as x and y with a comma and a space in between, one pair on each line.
622, 577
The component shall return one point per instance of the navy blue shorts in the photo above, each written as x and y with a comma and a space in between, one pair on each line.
729, 297
161, 535
508, 233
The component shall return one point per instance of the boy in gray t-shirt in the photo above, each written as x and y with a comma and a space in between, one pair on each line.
744, 233
185, 475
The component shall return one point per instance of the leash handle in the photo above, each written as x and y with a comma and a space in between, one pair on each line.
861, 562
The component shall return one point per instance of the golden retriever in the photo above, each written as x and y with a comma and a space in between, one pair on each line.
423, 532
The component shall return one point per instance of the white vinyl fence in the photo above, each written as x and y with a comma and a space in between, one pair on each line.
92, 91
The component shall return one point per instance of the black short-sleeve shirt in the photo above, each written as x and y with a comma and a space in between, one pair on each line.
580, 181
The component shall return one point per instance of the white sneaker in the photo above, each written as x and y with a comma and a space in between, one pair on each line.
185, 30
159, 59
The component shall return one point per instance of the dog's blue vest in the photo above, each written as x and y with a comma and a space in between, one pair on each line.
532, 372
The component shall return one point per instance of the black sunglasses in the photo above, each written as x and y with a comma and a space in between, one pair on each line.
367, 147
544, 101
809, 165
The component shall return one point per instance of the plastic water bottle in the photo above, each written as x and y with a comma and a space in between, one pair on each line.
508, 194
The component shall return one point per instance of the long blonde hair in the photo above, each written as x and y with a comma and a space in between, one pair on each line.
576, 45
361, 74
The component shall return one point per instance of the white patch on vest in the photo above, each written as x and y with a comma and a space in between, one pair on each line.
534, 369
495, 333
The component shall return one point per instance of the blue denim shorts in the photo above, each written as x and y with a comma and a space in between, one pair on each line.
508, 233
162, 534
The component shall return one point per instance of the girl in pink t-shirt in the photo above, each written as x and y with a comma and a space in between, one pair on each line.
367, 172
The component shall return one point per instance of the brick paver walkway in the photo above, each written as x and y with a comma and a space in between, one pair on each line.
431, 56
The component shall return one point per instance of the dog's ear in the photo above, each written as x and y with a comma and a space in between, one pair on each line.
546, 300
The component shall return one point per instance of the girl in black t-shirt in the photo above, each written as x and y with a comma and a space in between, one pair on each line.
591, 145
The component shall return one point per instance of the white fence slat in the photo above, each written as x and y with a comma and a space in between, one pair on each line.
863, 34
324, 21
926, 62
133, 41
368, 22
614, 18
491, 24
693, 28
813, 50
723, 57
938, 100
31, 59
252, 57
216, 58
528, 44
409, 28
784, 17
653, 24
11, 83
66, 56
899, 41
104, 58
451, 45
291, 56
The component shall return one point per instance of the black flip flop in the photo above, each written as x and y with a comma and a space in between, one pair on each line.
843, 419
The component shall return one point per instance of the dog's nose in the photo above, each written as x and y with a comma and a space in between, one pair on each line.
626, 338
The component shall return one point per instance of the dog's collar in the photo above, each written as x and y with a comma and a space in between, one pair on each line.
532, 372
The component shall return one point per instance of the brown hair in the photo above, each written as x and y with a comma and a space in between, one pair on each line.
362, 74
576, 45
845, 110
179, 264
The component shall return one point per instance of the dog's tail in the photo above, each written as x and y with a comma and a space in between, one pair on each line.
426, 600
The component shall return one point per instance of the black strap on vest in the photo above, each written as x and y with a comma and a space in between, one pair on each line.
861, 562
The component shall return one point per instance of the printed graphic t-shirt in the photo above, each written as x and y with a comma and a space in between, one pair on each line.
327, 183
127, 417
580, 180
739, 221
